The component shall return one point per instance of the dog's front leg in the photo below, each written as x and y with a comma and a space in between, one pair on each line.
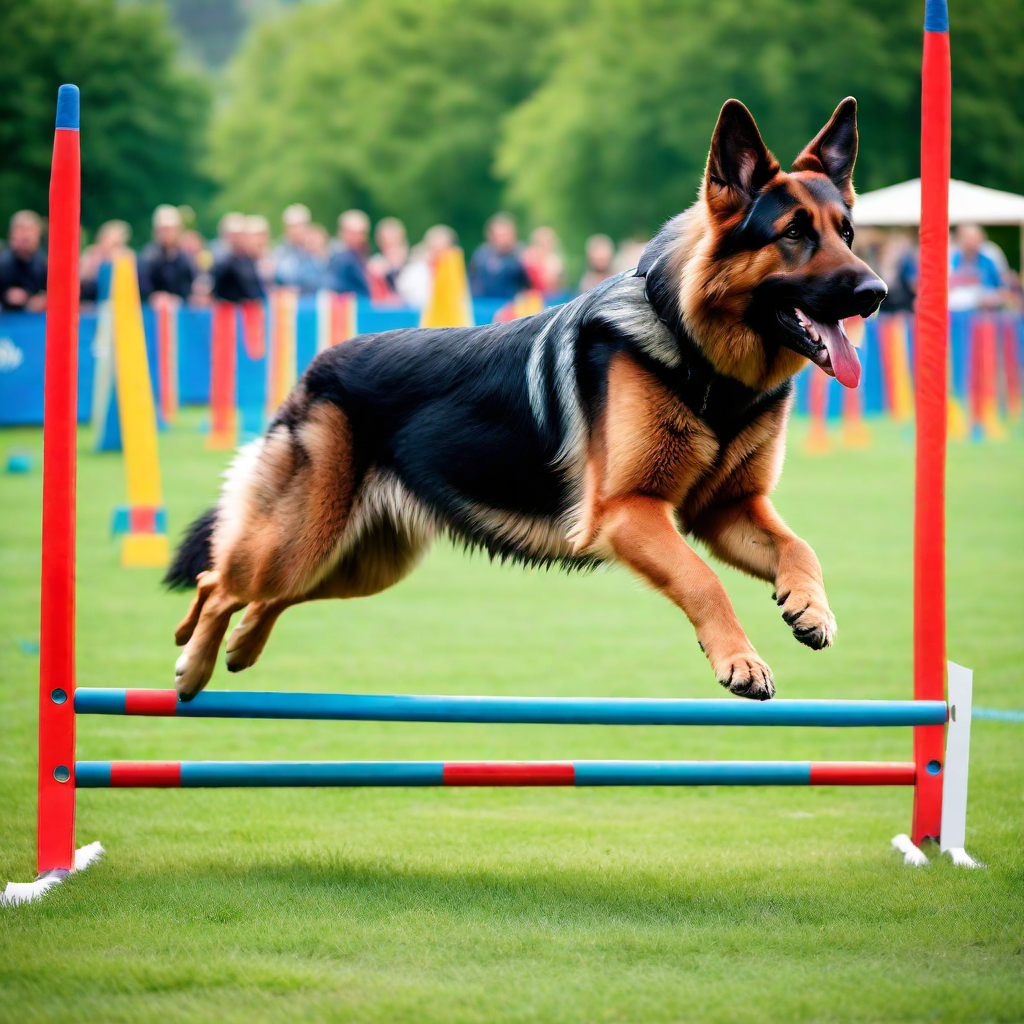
751, 535
641, 533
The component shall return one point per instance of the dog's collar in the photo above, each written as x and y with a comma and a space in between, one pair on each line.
724, 403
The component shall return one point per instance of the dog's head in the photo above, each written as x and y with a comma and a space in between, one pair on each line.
760, 271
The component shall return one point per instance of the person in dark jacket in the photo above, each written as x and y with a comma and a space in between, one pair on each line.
496, 270
235, 277
346, 270
23, 265
163, 267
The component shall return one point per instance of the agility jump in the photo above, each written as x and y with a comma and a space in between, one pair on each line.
937, 773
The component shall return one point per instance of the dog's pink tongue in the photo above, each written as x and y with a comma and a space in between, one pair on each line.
841, 352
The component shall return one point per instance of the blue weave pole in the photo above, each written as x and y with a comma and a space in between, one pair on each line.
523, 710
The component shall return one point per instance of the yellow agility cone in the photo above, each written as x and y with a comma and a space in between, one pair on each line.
143, 521
450, 303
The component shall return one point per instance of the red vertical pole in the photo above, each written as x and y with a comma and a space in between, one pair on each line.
56, 833
166, 309
254, 320
930, 360
223, 376
974, 380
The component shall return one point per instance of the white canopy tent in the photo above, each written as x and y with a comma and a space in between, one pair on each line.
900, 206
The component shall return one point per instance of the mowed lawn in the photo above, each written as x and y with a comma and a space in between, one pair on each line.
649, 904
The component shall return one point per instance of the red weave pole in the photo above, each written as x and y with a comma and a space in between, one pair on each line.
989, 368
254, 319
56, 829
974, 379
930, 361
223, 371
167, 363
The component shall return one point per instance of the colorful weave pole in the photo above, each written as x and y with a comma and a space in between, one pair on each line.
223, 434
895, 357
336, 318
251, 370
105, 425
281, 352
930, 361
856, 433
1011, 365
165, 310
817, 441
986, 422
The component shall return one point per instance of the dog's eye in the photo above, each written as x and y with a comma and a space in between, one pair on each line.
793, 231
848, 235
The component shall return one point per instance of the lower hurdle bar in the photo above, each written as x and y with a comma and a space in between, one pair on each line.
216, 774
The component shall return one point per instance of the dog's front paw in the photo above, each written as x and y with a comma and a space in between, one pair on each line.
746, 675
807, 612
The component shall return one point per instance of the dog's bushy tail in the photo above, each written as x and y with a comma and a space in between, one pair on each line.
194, 554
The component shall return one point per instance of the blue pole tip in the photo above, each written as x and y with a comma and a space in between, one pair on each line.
936, 16
67, 107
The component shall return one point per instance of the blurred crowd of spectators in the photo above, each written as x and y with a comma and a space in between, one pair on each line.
243, 261
979, 275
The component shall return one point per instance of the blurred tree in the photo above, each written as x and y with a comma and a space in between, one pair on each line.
390, 105
211, 29
143, 118
615, 140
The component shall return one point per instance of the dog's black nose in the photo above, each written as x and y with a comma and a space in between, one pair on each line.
869, 295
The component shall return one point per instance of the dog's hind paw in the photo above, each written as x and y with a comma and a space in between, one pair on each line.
747, 675
190, 676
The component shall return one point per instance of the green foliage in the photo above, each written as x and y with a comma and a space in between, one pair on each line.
596, 114
616, 138
392, 105
142, 117
212, 31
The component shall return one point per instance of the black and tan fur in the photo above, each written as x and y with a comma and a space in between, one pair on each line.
614, 427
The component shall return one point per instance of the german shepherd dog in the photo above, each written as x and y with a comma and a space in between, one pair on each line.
613, 427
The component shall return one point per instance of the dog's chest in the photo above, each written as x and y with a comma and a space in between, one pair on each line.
656, 444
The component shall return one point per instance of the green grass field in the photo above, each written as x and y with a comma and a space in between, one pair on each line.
645, 905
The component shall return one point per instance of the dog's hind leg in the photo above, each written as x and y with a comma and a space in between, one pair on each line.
280, 528
193, 669
187, 626
379, 558
250, 636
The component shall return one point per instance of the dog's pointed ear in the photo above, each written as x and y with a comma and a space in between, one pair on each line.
833, 151
739, 164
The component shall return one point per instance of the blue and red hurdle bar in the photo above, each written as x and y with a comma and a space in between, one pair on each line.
504, 710
941, 723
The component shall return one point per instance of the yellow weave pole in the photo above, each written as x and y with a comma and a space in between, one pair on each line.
144, 542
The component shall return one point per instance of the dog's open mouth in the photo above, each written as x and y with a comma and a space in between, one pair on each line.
830, 348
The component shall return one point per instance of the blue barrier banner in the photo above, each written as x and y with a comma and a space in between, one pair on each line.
22, 338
